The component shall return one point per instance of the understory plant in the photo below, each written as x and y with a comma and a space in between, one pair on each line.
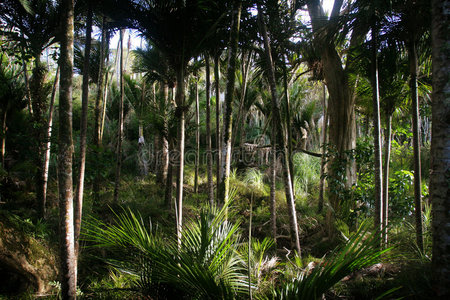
361, 250
203, 265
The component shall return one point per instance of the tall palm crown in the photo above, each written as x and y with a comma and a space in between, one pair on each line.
34, 31
179, 28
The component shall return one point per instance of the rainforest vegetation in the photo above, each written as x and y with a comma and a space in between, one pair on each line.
235, 149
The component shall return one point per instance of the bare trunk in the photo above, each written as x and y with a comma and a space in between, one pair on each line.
288, 124
229, 96
273, 189
281, 145
67, 247
218, 133
179, 99
169, 178
165, 139
387, 156
48, 138
378, 180
323, 161
4, 128
241, 113
197, 136
412, 54
209, 162
440, 150
39, 105
98, 111
120, 125
83, 131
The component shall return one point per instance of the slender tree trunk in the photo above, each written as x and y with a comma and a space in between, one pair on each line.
209, 162
83, 130
229, 96
440, 150
387, 156
412, 54
281, 145
323, 161
241, 112
197, 136
169, 178
120, 125
49, 136
273, 188
378, 180
4, 128
143, 162
165, 138
67, 247
179, 99
218, 132
98, 112
288, 124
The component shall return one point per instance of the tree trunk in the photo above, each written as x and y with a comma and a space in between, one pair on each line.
412, 55
440, 150
208, 134
341, 109
83, 130
143, 162
323, 161
197, 136
241, 112
27, 83
229, 96
165, 138
4, 128
378, 180
49, 136
67, 248
273, 188
288, 123
39, 106
387, 157
169, 178
98, 112
180, 112
218, 133
120, 125
281, 145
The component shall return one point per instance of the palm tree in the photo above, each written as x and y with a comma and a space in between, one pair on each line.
209, 162
34, 33
440, 149
280, 141
120, 127
83, 127
67, 248
378, 180
229, 95
179, 29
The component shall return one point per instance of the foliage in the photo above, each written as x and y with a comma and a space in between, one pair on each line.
360, 251
306, 174
204, 265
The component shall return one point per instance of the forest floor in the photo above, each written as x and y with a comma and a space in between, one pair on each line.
402, 273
